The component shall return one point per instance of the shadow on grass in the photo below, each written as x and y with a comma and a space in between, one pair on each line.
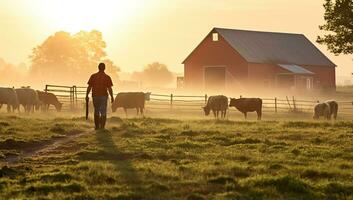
121, 161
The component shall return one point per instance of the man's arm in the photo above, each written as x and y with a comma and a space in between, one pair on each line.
110, 90
89, 88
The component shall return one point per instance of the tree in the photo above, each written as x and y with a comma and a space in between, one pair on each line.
154, 75
339, 25
69, 59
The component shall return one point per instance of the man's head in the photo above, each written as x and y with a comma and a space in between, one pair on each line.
101, 67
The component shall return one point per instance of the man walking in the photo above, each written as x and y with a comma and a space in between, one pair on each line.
100, 84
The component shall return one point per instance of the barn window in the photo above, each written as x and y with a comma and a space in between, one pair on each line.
215, 37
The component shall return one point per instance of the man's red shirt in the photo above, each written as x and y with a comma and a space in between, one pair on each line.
100, 82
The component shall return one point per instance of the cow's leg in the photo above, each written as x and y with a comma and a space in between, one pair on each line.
245, 115
8, 108
259, 114
141, 111
217, 114
137, 111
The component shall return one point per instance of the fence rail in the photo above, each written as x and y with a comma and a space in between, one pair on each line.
73, 98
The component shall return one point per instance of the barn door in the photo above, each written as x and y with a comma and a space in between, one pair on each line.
215, 78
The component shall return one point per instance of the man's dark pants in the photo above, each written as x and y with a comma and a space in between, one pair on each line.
100, 111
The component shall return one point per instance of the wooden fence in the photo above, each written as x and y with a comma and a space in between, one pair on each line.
73, 99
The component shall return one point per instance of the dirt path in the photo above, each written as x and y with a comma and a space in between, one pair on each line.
43, 149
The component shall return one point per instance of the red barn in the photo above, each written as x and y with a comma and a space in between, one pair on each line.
230, 59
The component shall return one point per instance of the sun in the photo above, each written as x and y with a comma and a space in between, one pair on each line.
76, 15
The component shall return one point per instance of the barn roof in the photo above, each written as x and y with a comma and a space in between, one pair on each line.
274, 48
295, 69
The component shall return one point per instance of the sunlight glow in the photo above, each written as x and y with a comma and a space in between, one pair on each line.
76, 15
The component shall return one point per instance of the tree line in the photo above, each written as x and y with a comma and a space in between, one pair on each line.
65, 58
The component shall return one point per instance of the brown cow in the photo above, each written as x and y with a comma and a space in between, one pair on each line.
48, 99
216, 104
127, 100
246, 105
28, 98
9, 97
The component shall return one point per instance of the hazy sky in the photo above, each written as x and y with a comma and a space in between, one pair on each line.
138, 32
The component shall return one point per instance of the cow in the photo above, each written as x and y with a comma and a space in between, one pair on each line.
326, 110
246, 105
216, 104
128, 100
28, 98
48, 99
9, 97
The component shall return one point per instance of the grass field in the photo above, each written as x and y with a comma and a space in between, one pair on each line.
155, 158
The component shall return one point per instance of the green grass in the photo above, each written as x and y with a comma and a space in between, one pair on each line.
152, 158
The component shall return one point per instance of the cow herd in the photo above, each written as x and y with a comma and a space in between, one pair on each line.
219, 104
28, 98
32, 100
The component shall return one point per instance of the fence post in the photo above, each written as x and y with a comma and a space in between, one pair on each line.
171, 101
294, 106
75, 96
275, 104
46, 88
290, 107
205, 98
72, 98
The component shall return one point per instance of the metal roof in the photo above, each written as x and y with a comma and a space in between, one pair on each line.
295, 69
274, 48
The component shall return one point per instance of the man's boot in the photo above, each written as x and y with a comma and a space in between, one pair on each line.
96, 122
103, 119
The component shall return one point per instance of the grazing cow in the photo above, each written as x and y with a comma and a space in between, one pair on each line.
28, 98
326, 110
246, 105
9, 97
48, 99
216, 104
127, 100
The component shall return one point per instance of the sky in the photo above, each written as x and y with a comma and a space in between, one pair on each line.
139, 32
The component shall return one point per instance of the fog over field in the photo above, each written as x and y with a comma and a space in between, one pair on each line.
97, 103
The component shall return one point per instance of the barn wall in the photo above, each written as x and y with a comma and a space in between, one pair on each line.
210, 53
262, 75
324, 78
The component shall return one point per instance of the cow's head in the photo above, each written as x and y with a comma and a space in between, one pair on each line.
233, 102
207, 110
147, 96
58, 107
315, 116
